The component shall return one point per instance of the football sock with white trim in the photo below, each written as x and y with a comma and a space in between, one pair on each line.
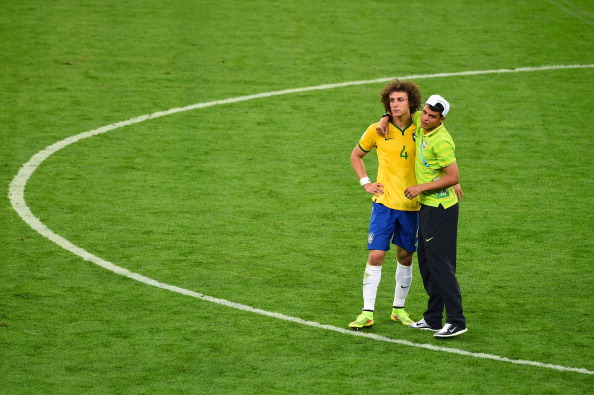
403, 281
371, 280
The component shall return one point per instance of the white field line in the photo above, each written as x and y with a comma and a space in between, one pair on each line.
574, 11
16, 194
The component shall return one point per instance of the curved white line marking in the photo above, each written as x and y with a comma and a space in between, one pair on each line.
16, 194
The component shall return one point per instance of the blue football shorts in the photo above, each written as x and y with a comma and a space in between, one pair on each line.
388, 225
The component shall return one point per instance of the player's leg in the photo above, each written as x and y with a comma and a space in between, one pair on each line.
371, 279
403, 276
403, 279
378, 242
432, 317
443, 267
406, 239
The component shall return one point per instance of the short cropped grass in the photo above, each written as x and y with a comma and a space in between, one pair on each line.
255, 202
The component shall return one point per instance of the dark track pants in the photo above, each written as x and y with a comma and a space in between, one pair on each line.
438, 231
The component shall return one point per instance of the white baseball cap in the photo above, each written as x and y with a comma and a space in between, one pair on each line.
436, 99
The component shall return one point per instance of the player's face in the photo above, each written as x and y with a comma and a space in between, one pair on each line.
430, 119
399, 104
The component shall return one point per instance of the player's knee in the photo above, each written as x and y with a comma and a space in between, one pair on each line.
376, 257
405, 258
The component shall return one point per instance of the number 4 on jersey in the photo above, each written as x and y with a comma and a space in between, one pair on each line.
403, 153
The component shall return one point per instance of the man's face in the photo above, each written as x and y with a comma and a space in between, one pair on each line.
399, 104
430, 119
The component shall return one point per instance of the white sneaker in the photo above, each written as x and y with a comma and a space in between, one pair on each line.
450, 330
423, 326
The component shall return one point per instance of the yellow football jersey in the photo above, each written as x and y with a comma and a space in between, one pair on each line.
396, 164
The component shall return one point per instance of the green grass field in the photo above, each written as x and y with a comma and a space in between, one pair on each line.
254, 202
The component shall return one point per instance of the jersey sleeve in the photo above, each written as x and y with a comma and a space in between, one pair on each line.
369, 138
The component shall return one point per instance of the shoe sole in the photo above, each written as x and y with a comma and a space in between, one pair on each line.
358, 328
425, 329
451, 335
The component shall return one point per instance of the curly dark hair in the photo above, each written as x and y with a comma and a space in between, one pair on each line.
413, 91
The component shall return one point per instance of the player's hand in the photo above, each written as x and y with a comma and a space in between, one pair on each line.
412, 192
383, 127
458, 190
375, 188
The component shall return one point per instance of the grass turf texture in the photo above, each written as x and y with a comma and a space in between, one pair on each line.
255, 202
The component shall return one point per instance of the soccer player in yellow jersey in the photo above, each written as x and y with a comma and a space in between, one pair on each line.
394, 218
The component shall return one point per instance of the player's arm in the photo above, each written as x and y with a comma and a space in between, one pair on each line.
359, 166
450, 178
